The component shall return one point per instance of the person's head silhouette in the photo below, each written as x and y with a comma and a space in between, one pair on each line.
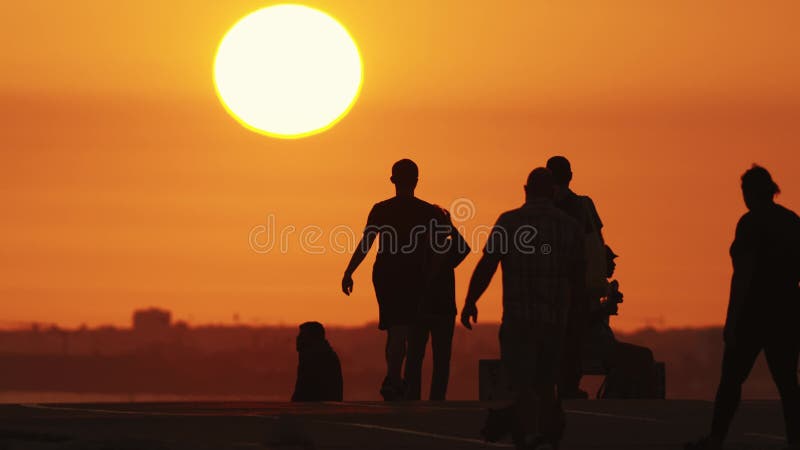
540, 184
611, 264
310, 334
758, 188
405, 174
561, 169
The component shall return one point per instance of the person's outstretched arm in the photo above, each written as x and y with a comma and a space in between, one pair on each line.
358, 256
367, 239
496, 247
478, 284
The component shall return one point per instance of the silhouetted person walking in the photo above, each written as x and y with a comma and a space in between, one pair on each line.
436, 320
403, 223
319, 373
541, 251
586, 302
764, 307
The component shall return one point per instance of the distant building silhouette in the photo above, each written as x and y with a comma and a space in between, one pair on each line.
152, 320
192, 360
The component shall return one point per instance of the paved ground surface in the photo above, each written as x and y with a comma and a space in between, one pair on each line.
593, 425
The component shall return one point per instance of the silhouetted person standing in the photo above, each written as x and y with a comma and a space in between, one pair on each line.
319, 373
540, 249
585, 303
403, 223
764, 307
436, 320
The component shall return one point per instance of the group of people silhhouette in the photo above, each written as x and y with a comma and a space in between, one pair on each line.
557, 295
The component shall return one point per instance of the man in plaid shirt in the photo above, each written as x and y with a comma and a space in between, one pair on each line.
540, 249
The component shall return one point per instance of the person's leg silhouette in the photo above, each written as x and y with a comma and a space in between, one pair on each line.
442, 347
396, 340
737, 362
782, 361
417, 341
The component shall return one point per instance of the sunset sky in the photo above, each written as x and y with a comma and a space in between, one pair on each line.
125, 184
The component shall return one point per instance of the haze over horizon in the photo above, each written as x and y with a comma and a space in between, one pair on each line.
125, 184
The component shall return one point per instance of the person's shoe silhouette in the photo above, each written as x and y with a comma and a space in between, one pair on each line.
392, 392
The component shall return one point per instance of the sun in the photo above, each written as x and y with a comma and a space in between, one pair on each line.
288, 71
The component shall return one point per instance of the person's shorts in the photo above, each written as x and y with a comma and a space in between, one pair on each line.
398, 299
530, 353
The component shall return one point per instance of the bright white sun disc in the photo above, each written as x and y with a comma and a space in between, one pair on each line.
288, 71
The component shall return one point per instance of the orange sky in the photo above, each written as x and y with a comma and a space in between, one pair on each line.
124, 183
